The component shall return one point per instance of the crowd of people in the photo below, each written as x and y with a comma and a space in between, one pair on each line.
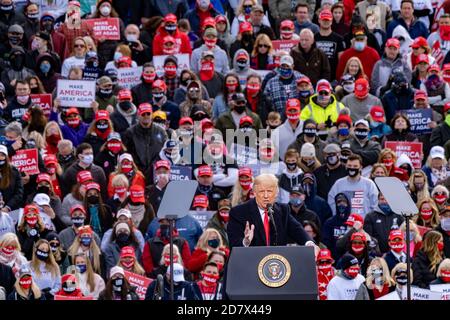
312, 91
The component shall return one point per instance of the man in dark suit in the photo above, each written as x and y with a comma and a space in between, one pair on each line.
250, 224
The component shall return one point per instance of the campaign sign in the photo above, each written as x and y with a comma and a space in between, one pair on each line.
444, 289
244, 155
284, 45
421, 294
180, 173
140, 282
183, 63
105, 28
202, 217
390, 296
412, 149
419, 118
129, 77
26, 160
44, 101
76, 93
61, 297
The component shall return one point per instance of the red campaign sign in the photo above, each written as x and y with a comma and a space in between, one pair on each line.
61, 297
44, 101
285, 45
106, 28
140, 282
412, 149
26, 160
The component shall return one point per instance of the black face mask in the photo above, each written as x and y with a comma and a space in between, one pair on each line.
247, 37
361, 134
15, 40
125, 105
78, 221
165, 231
402, 279
35, 90
65, 159
17, 62
43, 189
199, 117
239, 109
117, 284
123, 239
93, 199
352, 172
291, 166
310, 132
6, 9
184, 82
48, 27
42, 255
102, 127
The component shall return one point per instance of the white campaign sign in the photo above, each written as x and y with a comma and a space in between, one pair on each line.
183, 63
129, 77
421, 294
76, 93
444, 289
390, 296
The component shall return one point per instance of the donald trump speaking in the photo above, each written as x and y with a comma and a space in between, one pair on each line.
262, 222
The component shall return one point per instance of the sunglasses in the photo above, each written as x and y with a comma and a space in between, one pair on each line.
79, 46
324, 93
194, 90
146, 114
263, 46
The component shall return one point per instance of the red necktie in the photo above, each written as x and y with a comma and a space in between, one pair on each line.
267, 227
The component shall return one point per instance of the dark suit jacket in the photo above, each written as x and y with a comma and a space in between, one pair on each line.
287, 226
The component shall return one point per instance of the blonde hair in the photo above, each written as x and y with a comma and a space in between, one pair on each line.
52, 124
435, 220
89, 270
22, 227
10, 239
50, 264
79, 39
424, 193
176, 253
429, 247
266, 178
137, 268
240, 7
38, 138
401, 265
203, 240
386, 276
376, 166
386, 152
90, 44
237, 195
124, 49
262, 38
120, 179
412, 227
94, 252
445, 264
34, 288
360, 73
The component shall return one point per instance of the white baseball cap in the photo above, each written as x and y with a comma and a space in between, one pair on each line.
42, 199
116, 270
124, 212
287, 59
178, 272
124, 156
437, 152
3, 149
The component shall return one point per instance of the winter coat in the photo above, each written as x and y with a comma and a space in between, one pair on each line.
14, 193
378, 225
368, 151
422, 274
316, 66
181, 39
383, 69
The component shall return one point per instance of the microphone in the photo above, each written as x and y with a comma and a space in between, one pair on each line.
159, 287
270, 212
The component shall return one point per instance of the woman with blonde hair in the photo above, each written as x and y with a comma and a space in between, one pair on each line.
243, 11
120, 186
25, 288
98, 131
209, 241
164, 263
428, 258
91, 283
30, 229
52, 135
243, 188
44, 269
77, 58
129, 262
126, 166
355, 68
389, 158
440, 195
443, 273
414, 237
10, 252
84, 243
122, 50
378, 170
400, 275
262, 54
418, 186
378, 281
90, 43
428, 217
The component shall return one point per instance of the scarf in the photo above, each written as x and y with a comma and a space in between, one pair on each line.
137, 214
95, 220
440, 174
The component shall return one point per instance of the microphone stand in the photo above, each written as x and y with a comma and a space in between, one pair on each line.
270, 213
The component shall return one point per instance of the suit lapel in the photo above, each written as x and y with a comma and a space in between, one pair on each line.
257, 221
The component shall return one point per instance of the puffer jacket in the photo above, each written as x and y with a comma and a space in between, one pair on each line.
316, 67
383, 69
319, 114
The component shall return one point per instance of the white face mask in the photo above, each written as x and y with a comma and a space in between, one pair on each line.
445, 224
203, 3
349, 87
132, 37
88, 159
105, 11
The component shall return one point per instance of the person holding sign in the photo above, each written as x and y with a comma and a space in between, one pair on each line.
378, 281
25, 288
11, 187
169, 28
118, 287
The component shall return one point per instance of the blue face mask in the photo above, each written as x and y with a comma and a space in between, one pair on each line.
322, 98
375, 124
248, 10
359, 45
296, 202
86, 241
285, 72
343, 132
81, 268
341, 209
385, 208
304, 93
7, 142
45, 67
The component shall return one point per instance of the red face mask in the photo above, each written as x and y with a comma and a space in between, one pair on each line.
8, 250
444, 32
210, 43
51, 170
440, 246
325, 268
210, 279
121, 191
126, 168
149, 77
446, 76
358, 248
25, 282
170, 51
207, 71
396, 247
73, 123
128, 264
167, 259
440, 199
220, 266
253, 89
31, 220
114, 147
426, 214
292, 117
445, 276
268, 153
231, 87
53, 139
224, 215
286, 34
352, 271
246, 185
170, 71
388, 163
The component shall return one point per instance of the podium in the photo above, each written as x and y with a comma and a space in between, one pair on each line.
272, 273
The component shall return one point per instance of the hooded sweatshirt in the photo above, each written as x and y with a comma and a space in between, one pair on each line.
220, 59
242, 71
313, 201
